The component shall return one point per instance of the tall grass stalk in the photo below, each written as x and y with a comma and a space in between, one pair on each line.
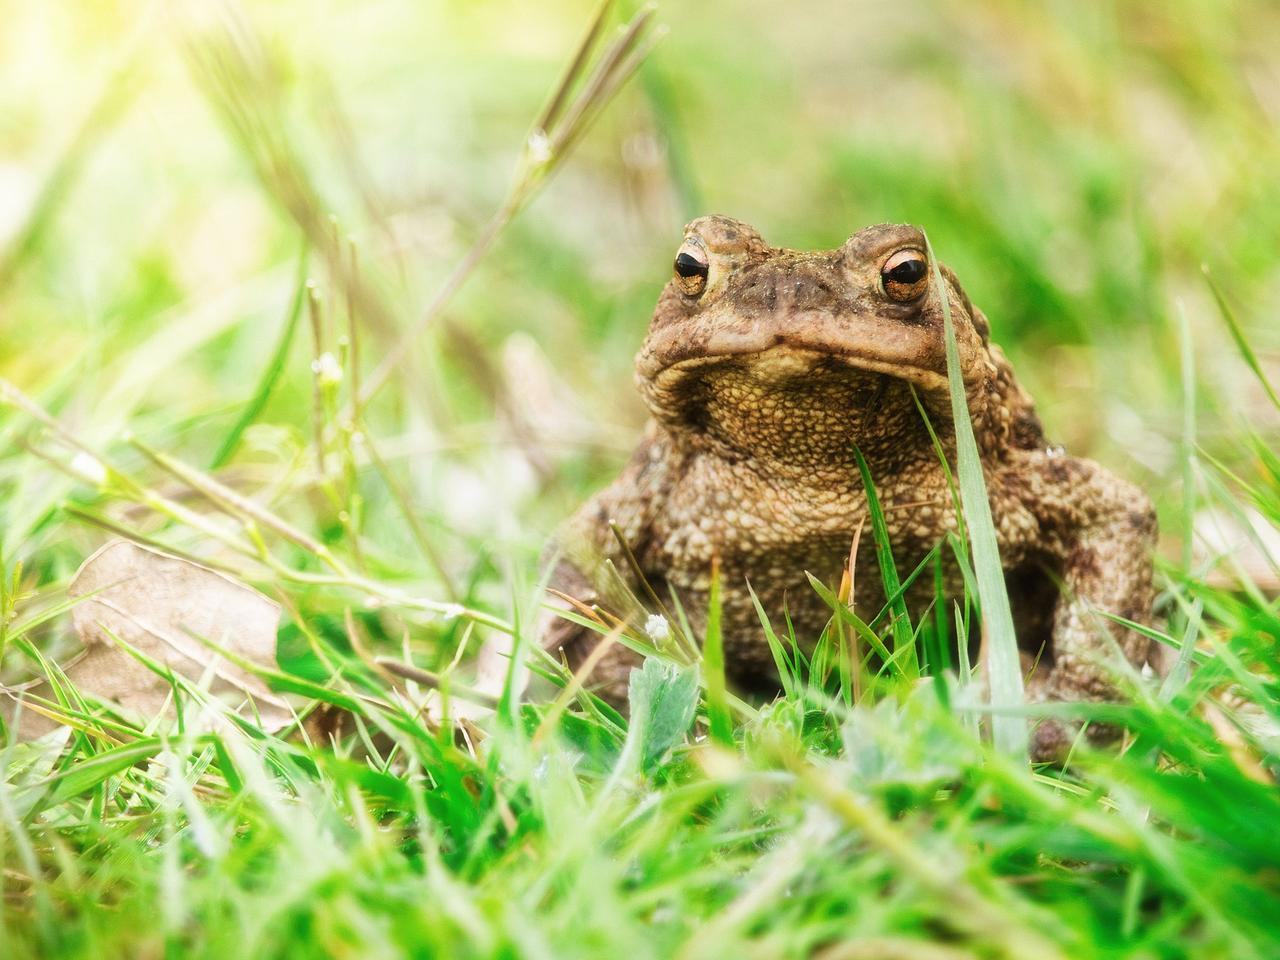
1000, 643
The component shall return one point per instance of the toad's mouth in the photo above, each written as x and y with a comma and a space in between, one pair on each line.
675, 355
784, 362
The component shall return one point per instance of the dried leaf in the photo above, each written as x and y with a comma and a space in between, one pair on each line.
166, 608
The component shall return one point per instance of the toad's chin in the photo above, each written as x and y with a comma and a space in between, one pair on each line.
787, 404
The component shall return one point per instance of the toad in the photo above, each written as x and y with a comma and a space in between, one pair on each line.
763, 369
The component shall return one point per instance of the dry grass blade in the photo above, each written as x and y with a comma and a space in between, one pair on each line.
624, 59
575, 68
434, 681
242, 83
577, 683
315, 317
135, 536
549, 144
229, 500
241, 508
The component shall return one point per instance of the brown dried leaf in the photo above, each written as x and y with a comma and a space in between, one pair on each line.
165, 607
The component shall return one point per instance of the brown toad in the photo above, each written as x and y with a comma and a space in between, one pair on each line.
763, 369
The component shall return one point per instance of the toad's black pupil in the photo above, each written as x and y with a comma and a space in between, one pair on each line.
909, 271
687, 265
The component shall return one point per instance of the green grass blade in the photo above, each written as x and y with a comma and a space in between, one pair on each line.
1181, 670
845, 615
271, 374
1242, 342
901, 625
1004, 668
713, 668
941, 633
84, 775
787, 672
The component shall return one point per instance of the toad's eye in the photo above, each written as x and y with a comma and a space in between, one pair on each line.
905, 275
691, 269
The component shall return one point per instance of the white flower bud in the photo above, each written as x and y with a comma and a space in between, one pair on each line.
657, 628
90, 468
327, 369
539, 146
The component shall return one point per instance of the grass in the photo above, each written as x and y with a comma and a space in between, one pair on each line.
163, 376
1004, 670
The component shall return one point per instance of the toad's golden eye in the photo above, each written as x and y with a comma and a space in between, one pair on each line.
905, 275
691, 268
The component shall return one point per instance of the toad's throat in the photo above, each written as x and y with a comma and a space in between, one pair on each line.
795, 407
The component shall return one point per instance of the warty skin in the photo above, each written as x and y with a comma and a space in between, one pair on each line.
763, 368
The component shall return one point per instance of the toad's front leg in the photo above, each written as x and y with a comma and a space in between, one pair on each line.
1103, 530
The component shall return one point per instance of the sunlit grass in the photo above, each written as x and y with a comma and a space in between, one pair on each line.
394, 496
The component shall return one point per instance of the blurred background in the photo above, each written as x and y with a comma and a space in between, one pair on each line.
1075, 163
